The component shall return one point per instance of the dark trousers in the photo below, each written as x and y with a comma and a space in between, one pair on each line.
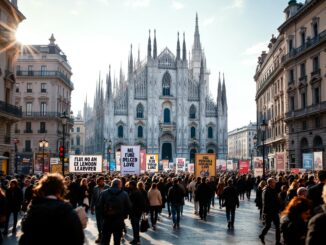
108, 230
230, 214
135, 220
169, 207
154, 214
15, 213
176, 209
99, 222
203, 209
275, 218
248, 193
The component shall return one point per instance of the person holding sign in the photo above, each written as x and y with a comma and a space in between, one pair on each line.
155, 203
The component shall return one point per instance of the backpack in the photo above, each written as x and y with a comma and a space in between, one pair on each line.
113, 206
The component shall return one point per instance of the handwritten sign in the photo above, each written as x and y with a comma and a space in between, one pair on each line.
130, 161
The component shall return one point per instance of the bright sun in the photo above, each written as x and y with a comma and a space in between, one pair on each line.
21, 35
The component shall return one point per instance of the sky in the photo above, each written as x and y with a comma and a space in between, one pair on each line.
98, 33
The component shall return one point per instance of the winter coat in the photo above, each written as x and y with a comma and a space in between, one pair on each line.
46, 216
96, 196
294, 231
271, 205
14, 199
203, 193
138, 203
176, 195
230, 197
316, 228
154, 197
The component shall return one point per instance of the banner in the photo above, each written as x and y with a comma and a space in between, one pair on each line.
318, 160
280, 165
38, 162
191, 168
171, 166
180, 164
244, 166
258, 166
54, 160
295, 170
165, 164
307, 160
85, 164
117, 160
221, 165
142, 160
152, 163
229, 165
130, 162
205, 165
112, 165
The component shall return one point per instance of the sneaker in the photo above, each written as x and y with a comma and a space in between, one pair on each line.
178, 225
134, 242
229, 225
98, 240
154, 227
262, 239
174, 226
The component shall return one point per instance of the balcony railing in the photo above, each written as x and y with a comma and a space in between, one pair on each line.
42, 114
7, 139
27, 149
315, 73
10, 109
318, 108
53, 74
42, 131
310, 43
17, 131
28, 131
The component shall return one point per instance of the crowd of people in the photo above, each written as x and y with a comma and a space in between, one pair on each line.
295, 204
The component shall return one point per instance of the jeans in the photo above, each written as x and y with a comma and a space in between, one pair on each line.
203, 209
108, 230
135, 220
154, 214
15, 213
169, 207
99, 222
196, 205
176, 213
230, 211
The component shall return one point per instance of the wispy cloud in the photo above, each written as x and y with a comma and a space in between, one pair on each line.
137, 3
209, 21
256, 49
236, 4
177, 5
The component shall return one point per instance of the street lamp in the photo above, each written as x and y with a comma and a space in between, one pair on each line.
254, 139
64, 120
43, 144
263, 127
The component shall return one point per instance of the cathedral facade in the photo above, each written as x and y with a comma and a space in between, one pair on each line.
164, 106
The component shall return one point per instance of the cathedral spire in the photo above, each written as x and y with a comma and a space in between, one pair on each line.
138, 58
121, 76
155, 46
109, 84
219, 91
201, 74
149, 46
224, 102
178, 48
184, 51
131, 62
197, 44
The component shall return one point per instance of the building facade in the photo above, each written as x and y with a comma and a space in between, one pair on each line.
77, 136
291, 88
10, 17
241, 142
43, 91
164, 105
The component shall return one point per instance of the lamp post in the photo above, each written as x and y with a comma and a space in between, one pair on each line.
16, 141
254, 139
263, 127
64, 120
43, 144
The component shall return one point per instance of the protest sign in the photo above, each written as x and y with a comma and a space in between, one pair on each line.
85, 164
205, 165
130, 162
180, 164
152, 163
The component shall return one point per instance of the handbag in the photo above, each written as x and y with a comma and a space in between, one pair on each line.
86, 201
144, 224
82, 215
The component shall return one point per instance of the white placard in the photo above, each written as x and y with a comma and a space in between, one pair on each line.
180, 164
54, 160
130, 159
85, 164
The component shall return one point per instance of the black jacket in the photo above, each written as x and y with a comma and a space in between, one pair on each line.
14, 199
316, 228
271, 204
314, 194
203, 193
230, 197
138, 203
176, 195
51, 221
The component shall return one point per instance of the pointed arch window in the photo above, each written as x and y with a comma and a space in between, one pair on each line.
167, 118
193, 132
210, 133
166, 84
120, 131
140, 132
192, 112
140, 111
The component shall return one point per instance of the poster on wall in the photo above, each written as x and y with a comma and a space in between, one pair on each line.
165, 164
152, 163
307, 159
118, 160
112, 165
280, 164
229, 165
191, 168
205, 165
180, 164
318, 160
142, 160
171, 166
244, 166
39, 160
258, 166
130, 159
85, 164
220, 165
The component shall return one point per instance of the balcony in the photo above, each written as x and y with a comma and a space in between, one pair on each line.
42, 115
17, 131
27, 150
308, 45
28, 131
315, 73
305, 112
7, 139
10, 110
167, 126
47, 74
42, 131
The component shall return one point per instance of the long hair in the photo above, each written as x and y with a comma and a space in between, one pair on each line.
296, 207
50, 184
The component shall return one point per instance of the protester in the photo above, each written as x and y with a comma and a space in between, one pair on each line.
230, 199
249, 186
203, 194
27, 194
115, 205
14, 197
315, 192
155, 203
294, 221
95, 205
259, 197
270, 211
84, 194
302, 192
176, 198
219, 190
48, 213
